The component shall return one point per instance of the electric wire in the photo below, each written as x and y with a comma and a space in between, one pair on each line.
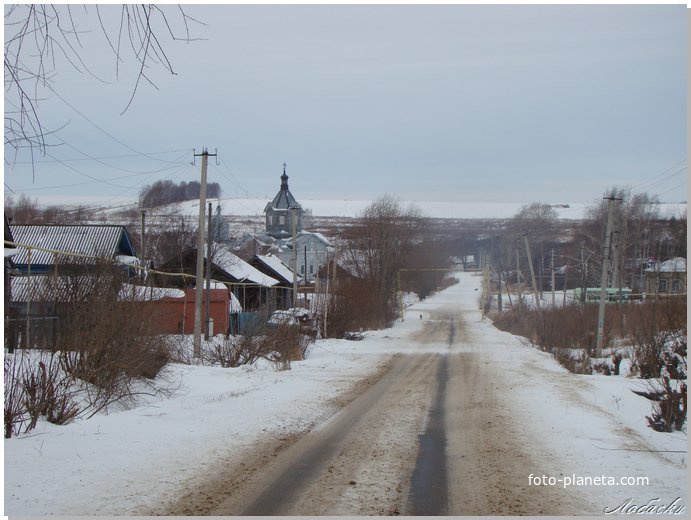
133, 266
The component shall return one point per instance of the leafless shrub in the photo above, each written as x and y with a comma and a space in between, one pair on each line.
279, 344
235, 351
558, 330
105, 338
656, 330
350, 309
36, 387
669, 408
652, 328
575, 361
285, 344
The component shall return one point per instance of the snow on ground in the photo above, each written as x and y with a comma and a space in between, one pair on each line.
352, 208
126, 462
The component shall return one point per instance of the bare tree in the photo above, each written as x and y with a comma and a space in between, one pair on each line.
384, 233
637, 230
539, 222
42, 38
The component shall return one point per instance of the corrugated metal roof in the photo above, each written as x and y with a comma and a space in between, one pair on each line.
100, 241
62, 289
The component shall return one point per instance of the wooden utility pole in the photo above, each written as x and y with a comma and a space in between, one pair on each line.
532, 272
518, 278
199, 280
603, 282
553, 282
294, 255
207, 299
143, 240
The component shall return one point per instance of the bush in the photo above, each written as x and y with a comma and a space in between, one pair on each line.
279, 344
35, 387
105, 342
656, 330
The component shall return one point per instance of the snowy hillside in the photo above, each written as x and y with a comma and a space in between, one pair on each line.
352, 208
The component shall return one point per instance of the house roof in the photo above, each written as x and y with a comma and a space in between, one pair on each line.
280, 269
102, 241
239, 269
61, 289
306, 235
674, 265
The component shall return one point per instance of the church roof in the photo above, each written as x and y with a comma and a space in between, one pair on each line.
283, 200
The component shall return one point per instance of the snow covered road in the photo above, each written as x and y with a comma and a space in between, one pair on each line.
510, 412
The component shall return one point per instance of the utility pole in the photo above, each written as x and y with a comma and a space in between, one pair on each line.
553, 281
207, 302
294, 255
603, 283
532, 272
518, 278
143, 241
199, 280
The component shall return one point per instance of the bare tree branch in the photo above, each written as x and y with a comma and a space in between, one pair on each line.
41, 39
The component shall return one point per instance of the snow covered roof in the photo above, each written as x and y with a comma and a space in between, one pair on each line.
275, 264
306, 235
142, 293
61, 288
239, 269
675, 265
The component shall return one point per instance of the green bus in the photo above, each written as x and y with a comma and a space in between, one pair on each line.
592, 295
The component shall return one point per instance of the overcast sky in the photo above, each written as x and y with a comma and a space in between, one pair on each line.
454, 102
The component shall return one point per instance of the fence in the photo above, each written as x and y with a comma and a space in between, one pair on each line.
31, 332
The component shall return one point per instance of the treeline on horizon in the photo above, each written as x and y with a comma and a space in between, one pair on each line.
166, 192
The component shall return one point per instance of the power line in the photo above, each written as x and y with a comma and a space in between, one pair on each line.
89, 158
654, 180
137, 152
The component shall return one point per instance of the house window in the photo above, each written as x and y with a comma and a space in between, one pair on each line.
302, 269
281, 220
662, 285
676, 286
311, 269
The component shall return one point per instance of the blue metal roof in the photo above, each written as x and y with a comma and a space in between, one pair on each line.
102, 241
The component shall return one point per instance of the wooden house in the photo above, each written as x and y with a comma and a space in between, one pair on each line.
666, 278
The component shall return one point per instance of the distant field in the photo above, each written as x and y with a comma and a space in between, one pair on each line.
351, 208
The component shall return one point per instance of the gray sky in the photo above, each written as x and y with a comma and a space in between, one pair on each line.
455, 102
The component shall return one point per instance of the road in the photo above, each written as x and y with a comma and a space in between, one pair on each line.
432, 434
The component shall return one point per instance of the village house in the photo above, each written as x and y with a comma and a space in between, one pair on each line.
57, 266
250, 286
312, 252
666, 278
84, 247
272, 266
